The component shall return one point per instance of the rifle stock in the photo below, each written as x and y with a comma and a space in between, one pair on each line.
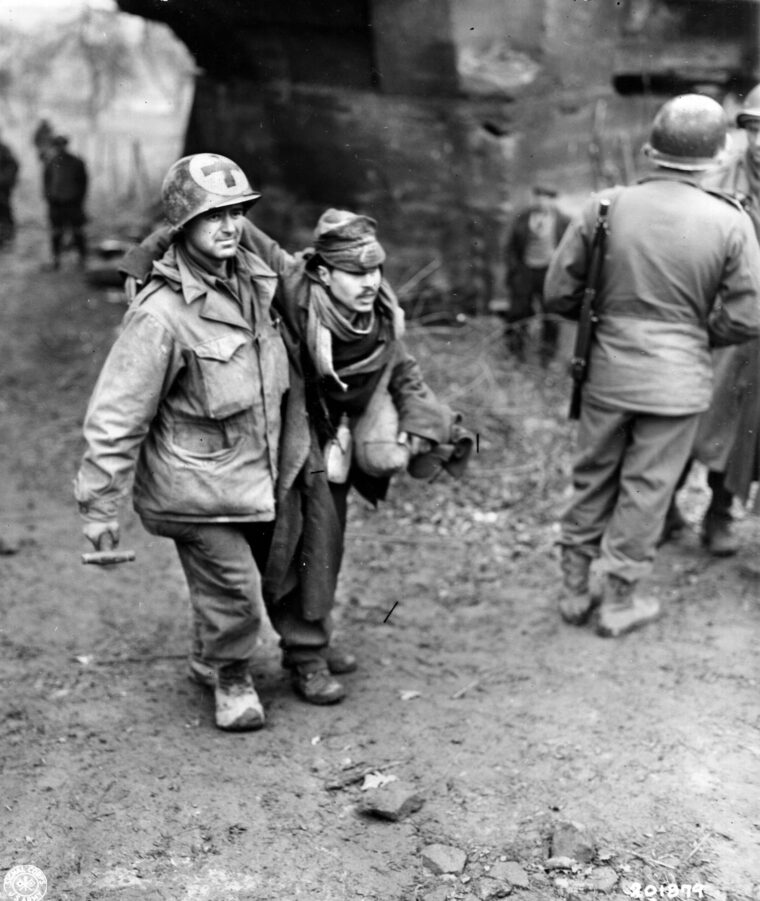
587, 318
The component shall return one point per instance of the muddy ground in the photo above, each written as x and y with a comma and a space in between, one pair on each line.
508, 723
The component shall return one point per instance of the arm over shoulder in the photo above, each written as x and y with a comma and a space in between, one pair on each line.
138, 260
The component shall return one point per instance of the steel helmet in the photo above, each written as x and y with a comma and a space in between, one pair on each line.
750, 108
689, 132
202, 182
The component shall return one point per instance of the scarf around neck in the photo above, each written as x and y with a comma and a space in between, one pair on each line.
324, 321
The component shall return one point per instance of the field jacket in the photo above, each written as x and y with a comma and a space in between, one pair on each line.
190, 398
673, 249
307, 544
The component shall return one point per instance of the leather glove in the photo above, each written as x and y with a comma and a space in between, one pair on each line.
104, 536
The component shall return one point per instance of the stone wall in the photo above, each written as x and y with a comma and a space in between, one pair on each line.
436, 116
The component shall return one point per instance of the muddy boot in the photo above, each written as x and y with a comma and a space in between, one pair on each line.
717, 534
575, 599
339, 660
719, 539
313, 682
622, 609
238, 708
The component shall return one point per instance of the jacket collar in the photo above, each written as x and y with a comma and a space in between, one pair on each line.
661, 174
189, 280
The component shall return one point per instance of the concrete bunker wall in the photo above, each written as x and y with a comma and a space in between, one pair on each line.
436, 116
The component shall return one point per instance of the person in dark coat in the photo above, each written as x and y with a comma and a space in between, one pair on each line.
728, 440
8, 178
65, 188
43, 140
535, 234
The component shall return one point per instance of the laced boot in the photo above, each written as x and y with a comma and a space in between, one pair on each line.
718, 536
622, 609
576, 601
313, 682
238, 708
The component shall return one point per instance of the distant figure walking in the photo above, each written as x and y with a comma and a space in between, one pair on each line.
43, 140
535, 234
8, 178
65, 188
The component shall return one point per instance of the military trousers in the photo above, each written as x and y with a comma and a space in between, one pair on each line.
624, 476
223, 563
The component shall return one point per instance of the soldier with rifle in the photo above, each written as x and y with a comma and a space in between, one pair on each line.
672, 249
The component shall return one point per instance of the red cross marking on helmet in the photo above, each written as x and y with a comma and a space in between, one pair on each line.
224, 166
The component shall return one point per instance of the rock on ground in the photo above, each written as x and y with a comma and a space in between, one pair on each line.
444, 858
511, 872
392, 801
572, 840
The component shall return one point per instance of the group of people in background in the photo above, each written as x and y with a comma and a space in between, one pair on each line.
64, 189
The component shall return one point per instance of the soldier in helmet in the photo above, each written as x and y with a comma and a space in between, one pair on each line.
673, 249
728, 440
189, 401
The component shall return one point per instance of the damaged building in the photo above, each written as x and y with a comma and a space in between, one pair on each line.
436, 116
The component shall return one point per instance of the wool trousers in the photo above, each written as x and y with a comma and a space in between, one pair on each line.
222, 563
625, 473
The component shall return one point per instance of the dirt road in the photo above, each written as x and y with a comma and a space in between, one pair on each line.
471, 693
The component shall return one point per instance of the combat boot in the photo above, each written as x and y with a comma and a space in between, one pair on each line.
238, 708
718, 536
339, 660
313, 682
575, 601
717, 533
622, 609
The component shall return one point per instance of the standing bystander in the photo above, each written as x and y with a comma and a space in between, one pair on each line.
728, 439
8, 178
681, 273
42, 138
65, 188
534, 236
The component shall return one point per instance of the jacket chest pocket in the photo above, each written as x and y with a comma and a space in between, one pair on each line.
229, 376
274, 360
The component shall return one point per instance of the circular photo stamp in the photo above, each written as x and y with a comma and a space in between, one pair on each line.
25, 882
